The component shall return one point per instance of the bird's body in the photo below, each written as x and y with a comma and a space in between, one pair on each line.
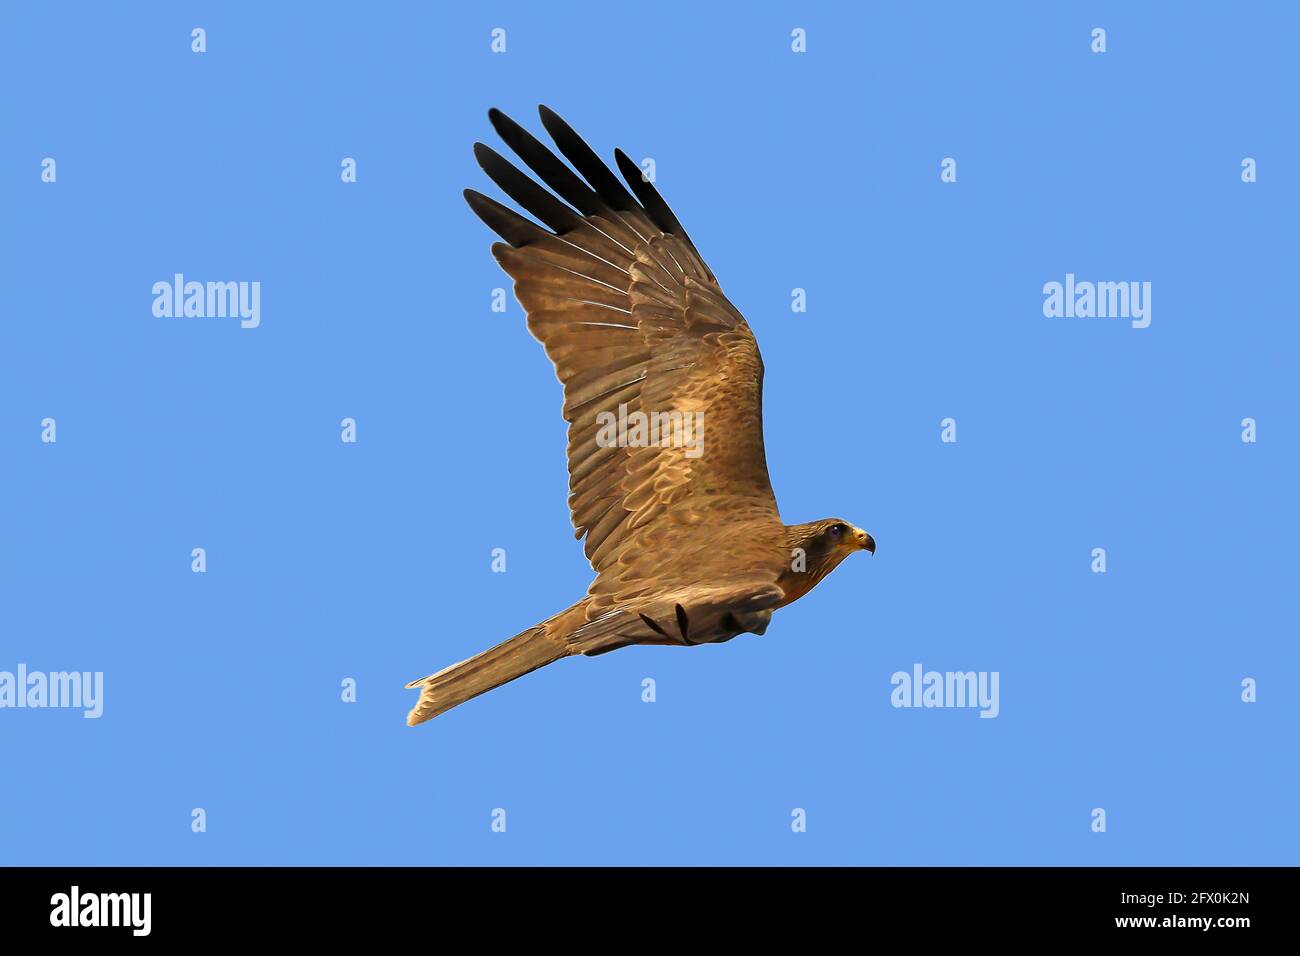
685, 536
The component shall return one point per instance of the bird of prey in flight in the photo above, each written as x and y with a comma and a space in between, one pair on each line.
686, 542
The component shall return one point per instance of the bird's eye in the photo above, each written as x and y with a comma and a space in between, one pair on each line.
836, 530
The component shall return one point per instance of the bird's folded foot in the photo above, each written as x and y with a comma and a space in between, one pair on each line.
683, 627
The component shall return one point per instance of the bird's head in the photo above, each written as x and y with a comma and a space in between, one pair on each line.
816, 549
835, 537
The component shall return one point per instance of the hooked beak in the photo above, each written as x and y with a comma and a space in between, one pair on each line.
865, 541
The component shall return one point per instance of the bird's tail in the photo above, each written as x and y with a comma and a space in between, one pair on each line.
521, 654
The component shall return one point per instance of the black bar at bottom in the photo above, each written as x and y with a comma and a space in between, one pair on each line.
338, 905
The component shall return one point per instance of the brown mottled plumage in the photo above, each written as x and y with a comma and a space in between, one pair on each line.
687, 550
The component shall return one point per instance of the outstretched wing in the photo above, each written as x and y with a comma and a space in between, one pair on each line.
634, 321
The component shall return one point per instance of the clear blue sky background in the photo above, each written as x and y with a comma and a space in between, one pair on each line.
372, 561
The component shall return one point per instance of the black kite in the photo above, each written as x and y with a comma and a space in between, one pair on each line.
687, 544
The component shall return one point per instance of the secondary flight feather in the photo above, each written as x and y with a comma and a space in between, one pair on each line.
684, 536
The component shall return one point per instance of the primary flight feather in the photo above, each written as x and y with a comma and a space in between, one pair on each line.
685, 537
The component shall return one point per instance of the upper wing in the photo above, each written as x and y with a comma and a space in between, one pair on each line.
634, 321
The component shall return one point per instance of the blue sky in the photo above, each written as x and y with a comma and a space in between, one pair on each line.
372, 561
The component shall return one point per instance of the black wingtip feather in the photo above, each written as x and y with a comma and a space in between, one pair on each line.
645, 191
505, 222
546, 164
585, 161
525, 191
601, 193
